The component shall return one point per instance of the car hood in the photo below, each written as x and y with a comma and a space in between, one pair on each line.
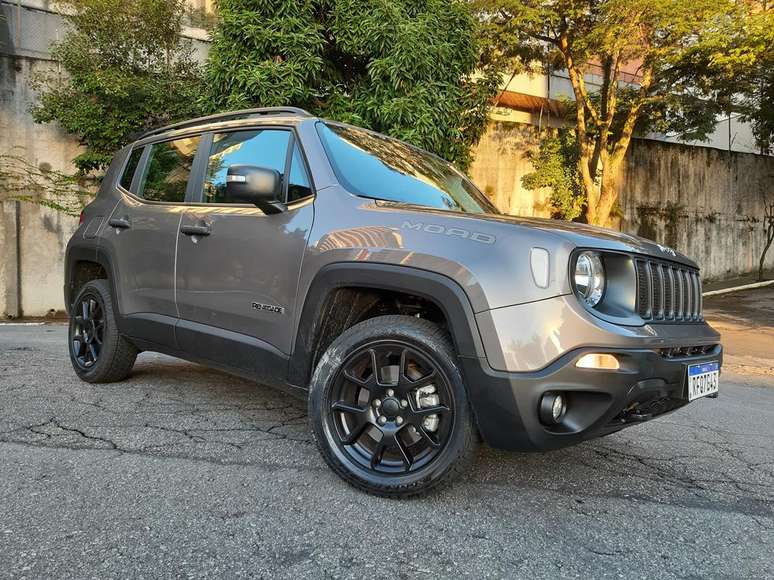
587, 236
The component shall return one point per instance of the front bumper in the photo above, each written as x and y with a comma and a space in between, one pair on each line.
648, 384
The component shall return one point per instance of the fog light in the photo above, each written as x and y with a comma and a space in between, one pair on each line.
598, 361
553, 406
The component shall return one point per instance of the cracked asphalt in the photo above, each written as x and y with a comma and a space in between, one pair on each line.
182, 471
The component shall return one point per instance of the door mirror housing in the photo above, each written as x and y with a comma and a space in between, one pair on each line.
257, 185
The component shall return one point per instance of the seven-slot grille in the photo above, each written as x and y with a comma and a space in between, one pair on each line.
668, 292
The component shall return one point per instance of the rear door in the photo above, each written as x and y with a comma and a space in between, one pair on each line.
142, 232
238, 268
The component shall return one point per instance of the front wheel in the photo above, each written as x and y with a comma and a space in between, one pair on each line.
389, 410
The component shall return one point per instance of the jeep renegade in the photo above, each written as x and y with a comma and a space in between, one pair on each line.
375, 279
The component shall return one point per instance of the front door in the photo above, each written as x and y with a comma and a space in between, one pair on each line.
141, 233
238, 268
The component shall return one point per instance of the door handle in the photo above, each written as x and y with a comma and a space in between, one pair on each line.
203, 230
122, 223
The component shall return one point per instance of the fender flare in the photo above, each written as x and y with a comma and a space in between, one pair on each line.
87, 253
444, 292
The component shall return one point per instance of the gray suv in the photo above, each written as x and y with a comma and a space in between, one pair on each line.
375, 279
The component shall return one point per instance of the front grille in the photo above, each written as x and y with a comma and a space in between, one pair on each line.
668, 292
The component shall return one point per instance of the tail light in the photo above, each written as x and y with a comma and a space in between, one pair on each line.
80, 219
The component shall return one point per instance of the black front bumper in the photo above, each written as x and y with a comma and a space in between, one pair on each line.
648, 384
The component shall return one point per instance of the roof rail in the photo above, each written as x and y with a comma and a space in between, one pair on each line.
229, 116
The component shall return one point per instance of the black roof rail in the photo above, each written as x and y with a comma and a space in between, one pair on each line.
229, 116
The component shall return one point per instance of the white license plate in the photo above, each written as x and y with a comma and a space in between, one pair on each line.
703, 379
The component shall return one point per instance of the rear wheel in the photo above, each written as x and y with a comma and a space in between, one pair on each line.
99, 354
389, 409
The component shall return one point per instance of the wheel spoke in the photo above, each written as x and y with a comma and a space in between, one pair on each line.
365, 383
346, 408
360, 420
407, 461
374, 366
94, 352
85, 310
436, 410
402, 378
426, 380
378, 453
429, 439
356, 432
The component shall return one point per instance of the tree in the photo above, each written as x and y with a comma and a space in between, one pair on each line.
671, 91
126, 69
401, 67
740, 59
556, 165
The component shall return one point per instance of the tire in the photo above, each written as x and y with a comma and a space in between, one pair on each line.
375, 429
98, 353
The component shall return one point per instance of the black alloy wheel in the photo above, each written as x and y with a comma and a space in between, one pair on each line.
87, 330
388, 407
98, 352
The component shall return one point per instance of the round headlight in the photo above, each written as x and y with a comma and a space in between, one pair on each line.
589, 278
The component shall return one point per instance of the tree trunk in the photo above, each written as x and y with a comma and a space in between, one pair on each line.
602, 196
769, 240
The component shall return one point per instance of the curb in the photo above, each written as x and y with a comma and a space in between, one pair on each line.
737, 288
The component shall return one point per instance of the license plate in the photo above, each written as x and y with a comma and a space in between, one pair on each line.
703, 379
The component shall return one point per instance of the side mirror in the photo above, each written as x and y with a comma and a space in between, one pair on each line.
257, 185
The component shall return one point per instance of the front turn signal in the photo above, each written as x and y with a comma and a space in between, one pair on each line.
598, 361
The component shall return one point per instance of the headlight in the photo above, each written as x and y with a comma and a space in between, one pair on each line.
589, 278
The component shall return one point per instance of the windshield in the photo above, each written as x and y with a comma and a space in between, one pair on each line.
379, 167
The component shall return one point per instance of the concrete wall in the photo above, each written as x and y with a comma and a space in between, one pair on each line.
705, 202
42, 233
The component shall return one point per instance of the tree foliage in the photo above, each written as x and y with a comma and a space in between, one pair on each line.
21, 180
402, 67
739, 57
675, 87
555, 165
126, 68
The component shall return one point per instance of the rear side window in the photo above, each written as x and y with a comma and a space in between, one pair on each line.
168, 169
265, 148
131, 166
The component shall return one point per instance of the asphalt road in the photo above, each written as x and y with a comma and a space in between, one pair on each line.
184, 471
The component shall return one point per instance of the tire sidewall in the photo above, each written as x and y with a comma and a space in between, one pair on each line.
435, 349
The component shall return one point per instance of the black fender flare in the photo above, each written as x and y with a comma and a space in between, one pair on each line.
444, 292
87, 252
